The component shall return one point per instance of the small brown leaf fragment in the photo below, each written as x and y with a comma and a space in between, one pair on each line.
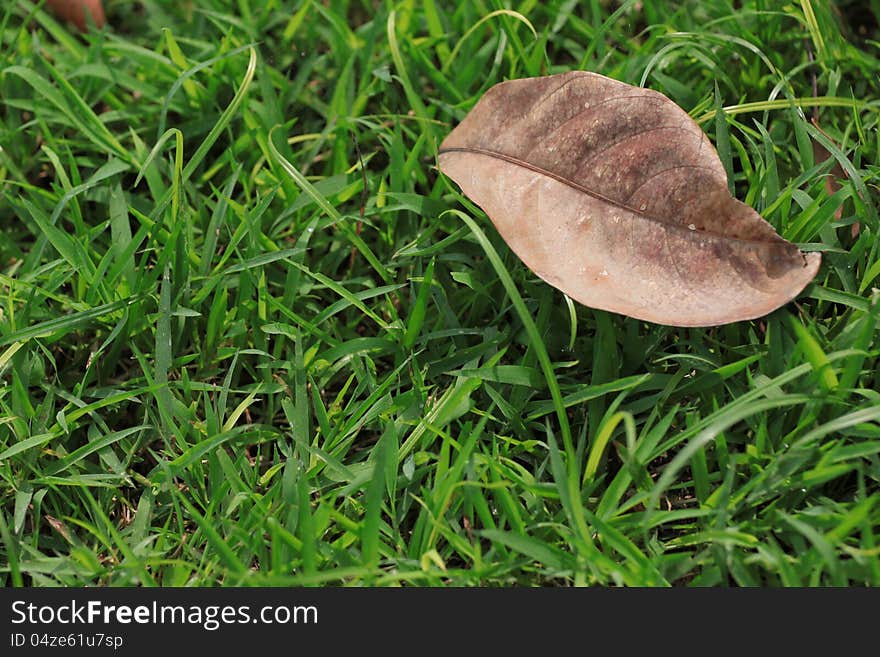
59, 527
612, 194
820, 154
76, 12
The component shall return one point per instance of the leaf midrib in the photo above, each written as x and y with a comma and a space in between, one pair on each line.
600, 197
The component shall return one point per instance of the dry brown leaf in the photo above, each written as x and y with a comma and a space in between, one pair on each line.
76, 11
612, 194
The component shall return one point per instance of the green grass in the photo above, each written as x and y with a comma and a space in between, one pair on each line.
251, 336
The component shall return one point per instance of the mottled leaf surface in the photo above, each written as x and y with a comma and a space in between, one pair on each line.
612, 194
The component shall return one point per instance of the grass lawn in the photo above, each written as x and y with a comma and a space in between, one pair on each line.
251, 336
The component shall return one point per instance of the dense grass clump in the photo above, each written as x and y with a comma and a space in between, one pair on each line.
250, 335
